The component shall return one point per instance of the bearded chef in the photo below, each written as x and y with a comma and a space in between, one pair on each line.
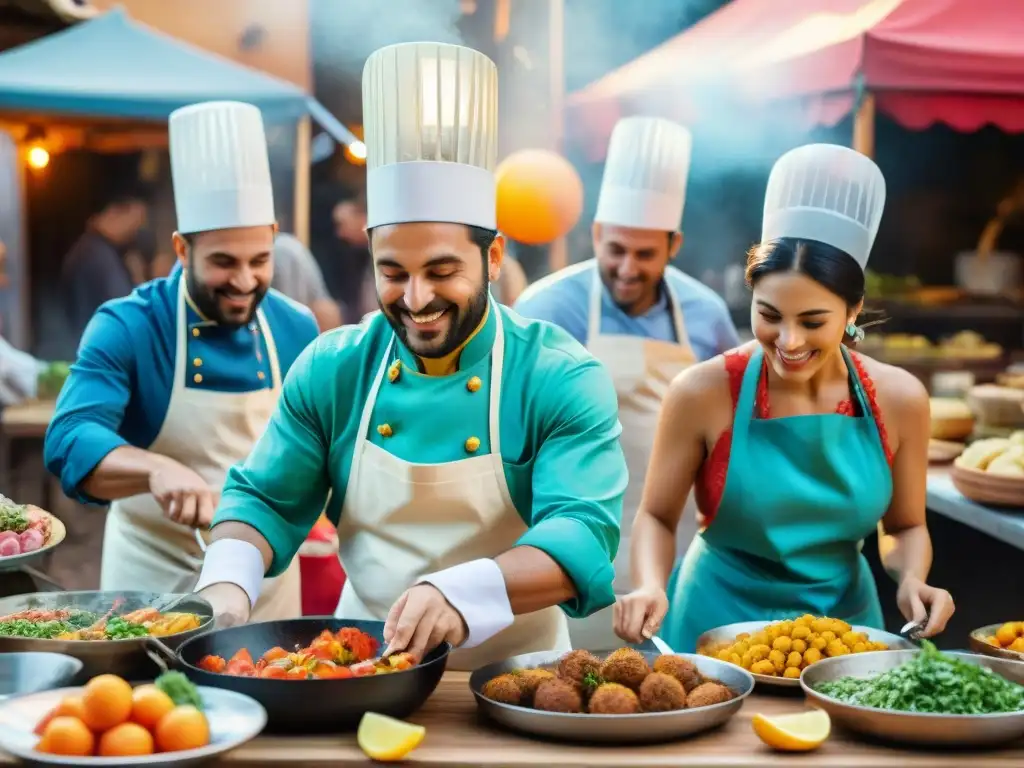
471, 457
642, 317
174, 383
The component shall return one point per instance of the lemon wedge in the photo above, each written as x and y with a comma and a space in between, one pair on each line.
386, 739
801, 732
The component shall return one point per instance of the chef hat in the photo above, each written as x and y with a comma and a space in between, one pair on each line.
430, 117
644, 184
220, 167
828, 193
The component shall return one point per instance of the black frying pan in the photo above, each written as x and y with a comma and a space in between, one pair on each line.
308, 706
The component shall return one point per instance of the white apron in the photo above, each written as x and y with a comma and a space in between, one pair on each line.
641, 370
402, 520
207, 432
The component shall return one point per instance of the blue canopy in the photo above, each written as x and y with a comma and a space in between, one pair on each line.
113, 66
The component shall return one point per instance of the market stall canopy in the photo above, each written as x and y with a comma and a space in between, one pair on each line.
958, 62
115, 67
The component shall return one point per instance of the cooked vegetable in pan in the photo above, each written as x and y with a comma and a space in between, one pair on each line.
73, 624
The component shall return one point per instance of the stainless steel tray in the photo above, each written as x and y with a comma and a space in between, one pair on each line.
921, 729
645, 728
729, 631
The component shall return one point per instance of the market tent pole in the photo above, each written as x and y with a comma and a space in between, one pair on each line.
300, 214
864, 125
558, 252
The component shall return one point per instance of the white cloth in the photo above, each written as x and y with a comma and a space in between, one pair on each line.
207, 432
220, 167
19, 374
402, 521
828, 193
641, 370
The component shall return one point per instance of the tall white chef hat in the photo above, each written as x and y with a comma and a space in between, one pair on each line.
430, 116
220, 167
644, 183
828, 193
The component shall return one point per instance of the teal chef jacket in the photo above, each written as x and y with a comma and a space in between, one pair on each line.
120, 385
559, 441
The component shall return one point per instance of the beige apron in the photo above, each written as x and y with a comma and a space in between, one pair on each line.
401, 521
641, 370
207, 432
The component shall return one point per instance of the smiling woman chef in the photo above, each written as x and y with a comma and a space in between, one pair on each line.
798, 446
471, 456
174, 383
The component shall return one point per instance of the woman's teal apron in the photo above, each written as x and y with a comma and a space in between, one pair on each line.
801, 494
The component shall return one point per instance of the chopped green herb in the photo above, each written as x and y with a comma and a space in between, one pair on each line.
180, 689
122, 629
931, 682
13, 517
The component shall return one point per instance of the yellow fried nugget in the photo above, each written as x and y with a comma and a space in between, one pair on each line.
778, 658
859, 648
782, 643
836, 648
759, 652
798, 645
828, 636
800, 632
812, 656
794, 659
793, 673
763, 667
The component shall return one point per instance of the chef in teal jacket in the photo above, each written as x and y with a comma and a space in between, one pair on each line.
175, 382
471, 457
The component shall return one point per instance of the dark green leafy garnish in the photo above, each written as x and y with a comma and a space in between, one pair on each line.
121, 629
931, 682
180, 689
592, 681
13, 517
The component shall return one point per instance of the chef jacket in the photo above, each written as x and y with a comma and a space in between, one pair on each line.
120, 386
559, 440
563, 298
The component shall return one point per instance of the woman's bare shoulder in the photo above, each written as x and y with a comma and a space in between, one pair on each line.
708, 381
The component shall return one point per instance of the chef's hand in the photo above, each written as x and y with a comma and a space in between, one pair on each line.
230, 604
918, 602
185, 497
421, 620
638, 615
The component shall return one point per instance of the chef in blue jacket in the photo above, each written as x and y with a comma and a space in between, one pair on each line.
639, 315
174, 383
471, 456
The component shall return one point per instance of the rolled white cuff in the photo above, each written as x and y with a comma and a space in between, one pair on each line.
477, 591
236, 562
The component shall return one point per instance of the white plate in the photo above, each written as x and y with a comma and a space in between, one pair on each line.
234, 719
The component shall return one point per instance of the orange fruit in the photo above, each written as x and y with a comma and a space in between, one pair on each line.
106, 702
184, 727
69, 706
67, 736
149, 705
126, 739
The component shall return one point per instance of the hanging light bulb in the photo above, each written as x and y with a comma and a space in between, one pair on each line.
38, 158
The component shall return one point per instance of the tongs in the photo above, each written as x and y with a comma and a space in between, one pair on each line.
912, 630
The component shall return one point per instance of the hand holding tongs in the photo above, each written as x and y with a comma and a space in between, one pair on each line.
912, 630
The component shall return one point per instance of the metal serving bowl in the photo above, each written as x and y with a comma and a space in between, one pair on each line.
32, 672
644, 728
728, 633
126, 658
978, 644
925, 729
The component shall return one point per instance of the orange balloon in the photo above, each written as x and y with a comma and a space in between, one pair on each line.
540, 196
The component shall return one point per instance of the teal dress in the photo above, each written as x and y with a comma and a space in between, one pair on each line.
801, 494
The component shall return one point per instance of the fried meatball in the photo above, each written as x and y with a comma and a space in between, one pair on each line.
577, 666
558, 696
706, 694
662, 693
504, 689
681, 669
613, 699
529, 680
627, 667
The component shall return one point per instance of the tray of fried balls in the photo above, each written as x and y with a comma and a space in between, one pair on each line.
628, 697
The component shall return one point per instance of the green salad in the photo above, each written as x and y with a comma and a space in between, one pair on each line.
931, 682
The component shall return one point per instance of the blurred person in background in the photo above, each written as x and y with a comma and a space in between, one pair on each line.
346, 263
644, 319
19, 371
95, 270
297, 275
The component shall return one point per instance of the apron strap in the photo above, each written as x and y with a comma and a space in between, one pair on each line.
272, 359
746, 401
862, 396
678, 322
594, 315
364, 419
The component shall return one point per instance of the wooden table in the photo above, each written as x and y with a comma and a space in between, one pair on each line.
456, 736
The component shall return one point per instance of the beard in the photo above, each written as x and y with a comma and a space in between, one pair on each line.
461, 324
208, 300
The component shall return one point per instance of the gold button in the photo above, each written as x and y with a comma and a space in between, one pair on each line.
384, 430
395, 371
195, 331
198, 378
197, 362
473, 444
474, 384
261, 376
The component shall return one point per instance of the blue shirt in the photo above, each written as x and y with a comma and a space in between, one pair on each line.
563, 298
120, 386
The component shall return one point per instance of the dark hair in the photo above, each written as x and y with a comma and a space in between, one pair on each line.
830, 267
481, 237
126, 195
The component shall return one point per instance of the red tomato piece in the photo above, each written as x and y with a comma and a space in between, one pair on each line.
274, 673
213, 664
